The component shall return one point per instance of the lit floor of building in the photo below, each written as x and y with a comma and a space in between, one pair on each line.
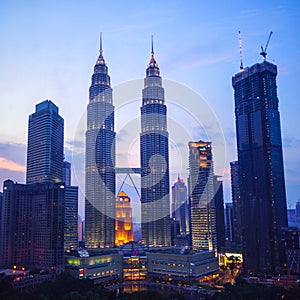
134, 262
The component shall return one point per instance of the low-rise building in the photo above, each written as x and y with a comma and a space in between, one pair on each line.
100, 266
135, 262
181, 265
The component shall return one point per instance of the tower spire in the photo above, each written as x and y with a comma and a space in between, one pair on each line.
152, 51
100, 49
152, 59
100, 59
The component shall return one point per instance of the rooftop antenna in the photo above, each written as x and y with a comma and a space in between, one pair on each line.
241, 52
263, 52
152, 51
101, 50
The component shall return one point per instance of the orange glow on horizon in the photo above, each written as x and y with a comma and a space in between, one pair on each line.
10, 165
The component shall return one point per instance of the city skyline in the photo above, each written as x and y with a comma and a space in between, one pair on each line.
192, 63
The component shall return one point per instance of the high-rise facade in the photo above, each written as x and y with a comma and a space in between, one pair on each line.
261, 174
45, 152
154, 153
71, 217
236, 204
34, 213
67, 173
219, 205
202, 201
180, 207
124, 230
71, 209
33, 226
229, 222
297, 211
100, 174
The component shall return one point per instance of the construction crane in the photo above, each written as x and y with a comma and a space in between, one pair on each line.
241, 53
263, 52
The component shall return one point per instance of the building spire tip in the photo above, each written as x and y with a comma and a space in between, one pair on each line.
152, 51
100, 38
152, 59
100, 59
100, 50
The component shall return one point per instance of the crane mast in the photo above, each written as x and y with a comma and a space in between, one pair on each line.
241, 52
263, 52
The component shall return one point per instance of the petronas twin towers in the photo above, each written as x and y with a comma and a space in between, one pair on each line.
100, 169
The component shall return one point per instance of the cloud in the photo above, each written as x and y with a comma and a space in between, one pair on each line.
121, 135
14, 152
74, 147
10, 165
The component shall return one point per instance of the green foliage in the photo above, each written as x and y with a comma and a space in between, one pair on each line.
244, 291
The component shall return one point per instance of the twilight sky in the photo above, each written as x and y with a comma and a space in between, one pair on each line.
49, 48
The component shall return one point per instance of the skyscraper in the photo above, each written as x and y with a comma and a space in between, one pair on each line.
45, 151
71, 217
297, 211
229, 222
33, 226
124, 231
219, 205
67, 173
33, 213
261, 174
154, 153
180, 207
236, 204
71, 209
202, 201
100, 161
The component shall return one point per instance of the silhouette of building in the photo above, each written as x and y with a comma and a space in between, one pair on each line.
297, 211
71, 209
219, 203
290, 240
229, 222
100, 177
180, 206
202, 200
236, 205
124, 230
175, 230
154, 153
33, 226
260, 163
71, 217
67, 173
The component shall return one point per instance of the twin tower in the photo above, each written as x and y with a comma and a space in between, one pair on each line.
100, 169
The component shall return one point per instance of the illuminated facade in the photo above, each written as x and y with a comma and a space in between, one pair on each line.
131, 262
124, 231
134, 262
182, 266
154, 153
45, 149
100, 174
260, 163
100, 268
201, 191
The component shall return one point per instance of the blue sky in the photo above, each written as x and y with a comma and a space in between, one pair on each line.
49, 48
